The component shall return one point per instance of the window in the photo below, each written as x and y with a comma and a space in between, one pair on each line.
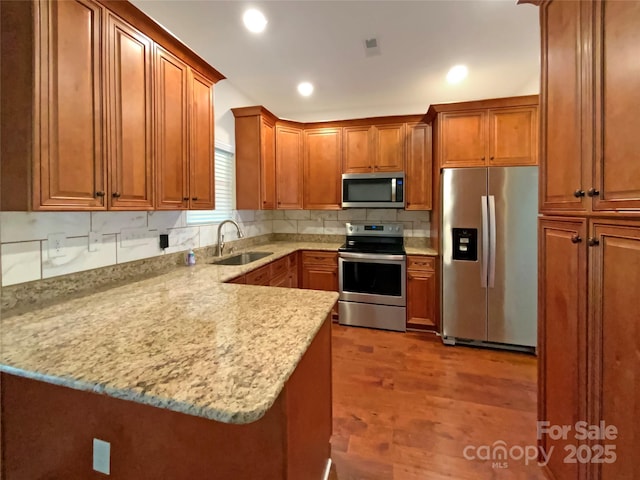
225, 188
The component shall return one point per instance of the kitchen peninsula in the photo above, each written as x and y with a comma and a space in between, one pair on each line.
184, 376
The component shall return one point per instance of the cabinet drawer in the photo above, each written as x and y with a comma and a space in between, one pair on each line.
261, 276
293, 260
320, 258
278, 267
421, 263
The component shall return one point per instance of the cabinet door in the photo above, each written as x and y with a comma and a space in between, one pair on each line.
69, 170
389, 145
357, 154
463, 139
289, 167
172, 161
322, 177
317, 277
421, 298
616, 344
562, 326
563, 177
130, 121
268, 165
513, 136
417, 182
617, 158
201, 147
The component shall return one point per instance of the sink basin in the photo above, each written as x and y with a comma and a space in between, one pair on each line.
242, 258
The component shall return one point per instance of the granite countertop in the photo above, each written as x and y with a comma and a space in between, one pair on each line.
183, 340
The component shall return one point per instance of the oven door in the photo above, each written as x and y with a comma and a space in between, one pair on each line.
373, 278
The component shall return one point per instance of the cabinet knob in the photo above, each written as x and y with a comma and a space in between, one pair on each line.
576, 239
482, 158
100, 194
185, 199
195, 199
592, 192
116, 194
578, 193
491, 157
592, 242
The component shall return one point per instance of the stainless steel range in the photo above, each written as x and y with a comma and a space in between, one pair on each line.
372, 272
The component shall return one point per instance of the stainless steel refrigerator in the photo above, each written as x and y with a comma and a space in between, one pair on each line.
489, 256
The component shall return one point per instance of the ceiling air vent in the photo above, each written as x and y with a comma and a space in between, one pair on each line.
371, 47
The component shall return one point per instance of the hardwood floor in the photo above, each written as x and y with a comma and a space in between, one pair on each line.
405, 407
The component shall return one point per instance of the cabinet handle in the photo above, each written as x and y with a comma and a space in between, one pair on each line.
592, 192
116, 194
185, 199
491, 157
482, 158
593, 242
576, 239
100, 194
194, 198
578, 193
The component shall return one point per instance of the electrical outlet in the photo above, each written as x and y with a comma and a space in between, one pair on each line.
95, 239
101, 456
131, 237
56, 243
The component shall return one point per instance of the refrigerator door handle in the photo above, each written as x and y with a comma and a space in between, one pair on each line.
492, 241
485, 242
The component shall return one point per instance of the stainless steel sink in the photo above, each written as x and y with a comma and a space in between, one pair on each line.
242, 258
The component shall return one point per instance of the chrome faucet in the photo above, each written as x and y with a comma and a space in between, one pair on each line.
221, 235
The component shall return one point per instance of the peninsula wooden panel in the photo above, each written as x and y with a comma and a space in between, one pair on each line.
130, 117
322, 177
201, 147
69, 168
172, 142
562, 313
289, 167
418, 184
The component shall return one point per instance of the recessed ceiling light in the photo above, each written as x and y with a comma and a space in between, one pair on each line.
457, 74
305, 89
254, 20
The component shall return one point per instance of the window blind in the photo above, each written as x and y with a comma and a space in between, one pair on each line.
225, 189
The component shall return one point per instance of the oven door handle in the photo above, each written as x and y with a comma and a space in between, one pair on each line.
373, 257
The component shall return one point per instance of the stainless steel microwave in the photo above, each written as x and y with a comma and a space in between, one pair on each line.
373, 190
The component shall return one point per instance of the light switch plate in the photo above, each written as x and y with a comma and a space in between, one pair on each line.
56, 243
101, 456
95, 239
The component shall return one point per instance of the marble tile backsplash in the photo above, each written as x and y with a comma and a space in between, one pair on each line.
26, 256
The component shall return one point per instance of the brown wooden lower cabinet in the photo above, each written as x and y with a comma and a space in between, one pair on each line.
421, 293
589, 321
290, 442
320, 272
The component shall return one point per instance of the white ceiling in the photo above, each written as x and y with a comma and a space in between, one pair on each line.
323, 42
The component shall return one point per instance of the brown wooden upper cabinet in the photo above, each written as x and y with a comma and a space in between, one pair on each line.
418, 168
255, 158
79, 113
322, 172
373, 148
129, 57
289, 166
590, 166
498, 132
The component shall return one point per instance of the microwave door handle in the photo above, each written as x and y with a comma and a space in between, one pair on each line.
393, 189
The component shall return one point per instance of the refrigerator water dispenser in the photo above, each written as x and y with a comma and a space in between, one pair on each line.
465, 244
